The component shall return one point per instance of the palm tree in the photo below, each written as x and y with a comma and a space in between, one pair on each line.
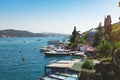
104, 49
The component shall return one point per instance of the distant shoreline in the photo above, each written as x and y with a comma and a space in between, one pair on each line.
11, 33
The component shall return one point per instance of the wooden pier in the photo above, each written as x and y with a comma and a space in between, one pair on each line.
61, 65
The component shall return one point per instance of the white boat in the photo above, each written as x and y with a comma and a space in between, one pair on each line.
82, 54
54, 42
47, 48
57, 52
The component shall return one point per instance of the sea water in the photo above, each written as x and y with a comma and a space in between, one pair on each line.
21, 59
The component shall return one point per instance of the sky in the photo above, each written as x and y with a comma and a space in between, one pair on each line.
59, 16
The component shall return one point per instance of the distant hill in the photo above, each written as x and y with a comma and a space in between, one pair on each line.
21, 33
55, 34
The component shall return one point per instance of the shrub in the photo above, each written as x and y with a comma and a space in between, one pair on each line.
86, 74
88, 65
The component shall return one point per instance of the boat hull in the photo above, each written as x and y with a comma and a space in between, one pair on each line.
56, 54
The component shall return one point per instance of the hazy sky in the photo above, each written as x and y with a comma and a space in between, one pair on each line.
58, 16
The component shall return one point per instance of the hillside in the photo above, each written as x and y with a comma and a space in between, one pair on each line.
116, 27
21, 33
116, 31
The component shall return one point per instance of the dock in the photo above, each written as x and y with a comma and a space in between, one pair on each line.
60, 76
62, 70
61, 65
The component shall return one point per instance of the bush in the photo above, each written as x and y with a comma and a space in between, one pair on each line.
88, 65
86, 74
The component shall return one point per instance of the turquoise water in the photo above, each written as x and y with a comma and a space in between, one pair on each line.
12, 67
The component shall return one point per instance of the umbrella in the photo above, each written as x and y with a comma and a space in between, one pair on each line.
90, 49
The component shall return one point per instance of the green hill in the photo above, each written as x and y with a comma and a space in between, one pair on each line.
21, 33
116, 31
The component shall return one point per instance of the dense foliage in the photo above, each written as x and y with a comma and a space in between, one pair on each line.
97, 39
86, 74
107, 70
107, 44
88, 65
98, 35
104, 49
109, 53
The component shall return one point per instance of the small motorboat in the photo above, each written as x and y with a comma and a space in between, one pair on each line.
47, 48
54, 42
57, 52
82, 54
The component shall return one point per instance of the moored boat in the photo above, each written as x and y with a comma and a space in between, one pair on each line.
82, 54
47, 48
54, 42
57, 52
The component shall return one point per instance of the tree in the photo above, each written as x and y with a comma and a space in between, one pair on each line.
75, 39
104, 71
97, 39
99, 28
104, 49
88, 65
85, 35
109, 68
108, 28
107, 25
98, 35
73, 36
